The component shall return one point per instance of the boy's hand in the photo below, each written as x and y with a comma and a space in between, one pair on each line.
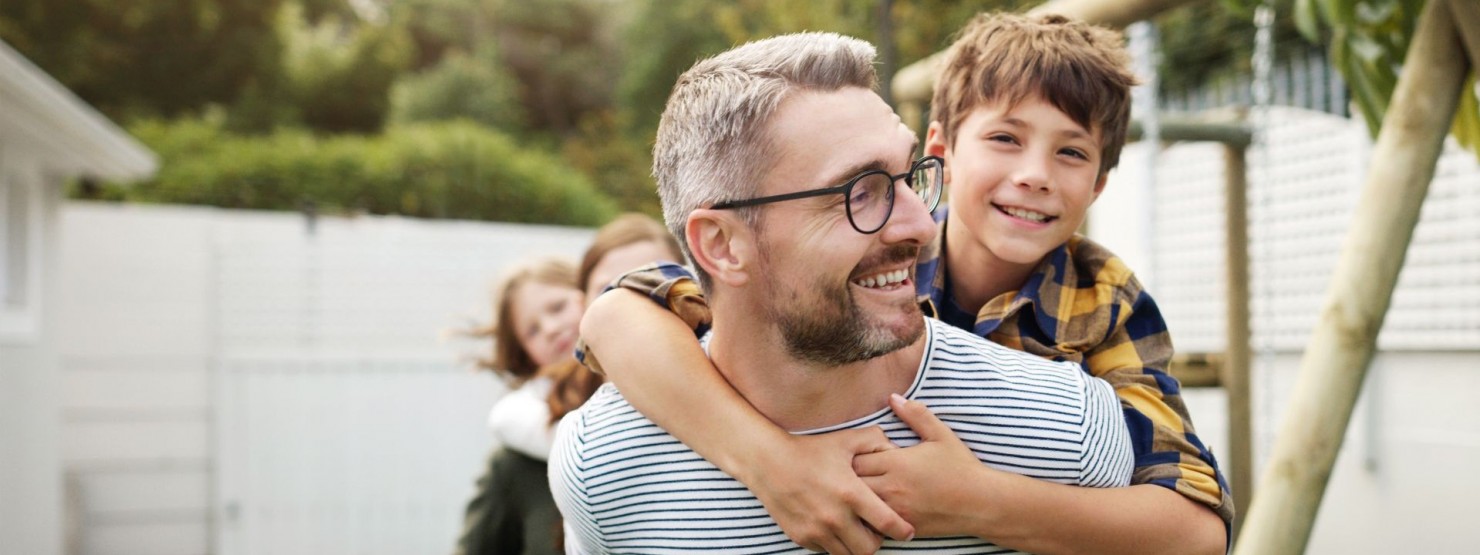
809, 488
934, 485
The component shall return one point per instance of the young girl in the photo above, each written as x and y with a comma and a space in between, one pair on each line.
534, 338
536, 307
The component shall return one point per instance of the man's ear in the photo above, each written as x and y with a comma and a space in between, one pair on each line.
722, 244
935, 145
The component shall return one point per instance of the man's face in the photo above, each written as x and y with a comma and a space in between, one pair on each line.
837, 295
1021, 179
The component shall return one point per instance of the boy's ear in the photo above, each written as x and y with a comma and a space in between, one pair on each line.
1100, 185
935, 145
722, 244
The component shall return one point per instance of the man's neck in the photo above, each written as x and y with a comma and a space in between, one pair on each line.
976, 275
799, 395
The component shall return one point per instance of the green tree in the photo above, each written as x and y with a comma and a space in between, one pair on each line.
147, 57
1368, 40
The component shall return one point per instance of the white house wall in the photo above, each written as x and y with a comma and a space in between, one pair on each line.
31, 515
1401, 480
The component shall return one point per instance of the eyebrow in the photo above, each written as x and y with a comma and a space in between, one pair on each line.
1069, 133
851, 172
876, 164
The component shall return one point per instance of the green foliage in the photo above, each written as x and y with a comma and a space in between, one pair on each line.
1368, 42
339, 74
1204, 42
446, 170
160, 58
461, 86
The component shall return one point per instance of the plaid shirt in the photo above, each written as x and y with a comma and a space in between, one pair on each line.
1081, 304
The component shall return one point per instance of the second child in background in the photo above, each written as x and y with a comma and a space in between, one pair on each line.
512, 511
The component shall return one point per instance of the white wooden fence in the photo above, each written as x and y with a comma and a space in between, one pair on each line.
245, 383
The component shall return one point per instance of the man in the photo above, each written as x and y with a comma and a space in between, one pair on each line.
791, 186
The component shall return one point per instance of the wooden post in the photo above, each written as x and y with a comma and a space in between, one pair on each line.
1236, 351
1342, 344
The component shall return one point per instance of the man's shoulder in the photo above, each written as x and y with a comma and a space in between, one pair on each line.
959, 350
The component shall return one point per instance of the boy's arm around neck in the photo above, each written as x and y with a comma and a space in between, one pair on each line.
806, 483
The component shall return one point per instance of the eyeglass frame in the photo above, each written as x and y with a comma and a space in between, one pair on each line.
847, 188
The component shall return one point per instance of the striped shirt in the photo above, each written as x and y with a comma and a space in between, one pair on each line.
626, 486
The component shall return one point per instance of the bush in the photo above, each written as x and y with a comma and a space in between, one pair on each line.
461, 86
443, 170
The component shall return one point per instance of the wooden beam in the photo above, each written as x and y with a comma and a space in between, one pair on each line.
1342, 344
1236, 335
1182, 128
914, 83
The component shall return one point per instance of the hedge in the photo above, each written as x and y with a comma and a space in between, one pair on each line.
441, 170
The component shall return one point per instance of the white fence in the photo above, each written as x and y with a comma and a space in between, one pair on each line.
245, 383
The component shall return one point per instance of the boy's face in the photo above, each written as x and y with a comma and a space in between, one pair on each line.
1021, 179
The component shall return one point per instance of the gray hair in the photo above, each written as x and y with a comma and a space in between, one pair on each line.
712, 144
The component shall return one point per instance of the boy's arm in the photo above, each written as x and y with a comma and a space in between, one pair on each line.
943, 488
1133, 359
805, 482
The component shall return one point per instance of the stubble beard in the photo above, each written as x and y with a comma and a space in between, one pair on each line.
834, 330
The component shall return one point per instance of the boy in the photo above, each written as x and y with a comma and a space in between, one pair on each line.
1029, 115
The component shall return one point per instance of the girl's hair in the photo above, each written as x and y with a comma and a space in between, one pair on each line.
509, 357
573, 382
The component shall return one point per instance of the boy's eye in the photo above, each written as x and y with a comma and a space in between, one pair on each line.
1001, 138
1075, 153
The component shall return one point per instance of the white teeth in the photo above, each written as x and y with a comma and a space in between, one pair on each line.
888, 278
1026, 214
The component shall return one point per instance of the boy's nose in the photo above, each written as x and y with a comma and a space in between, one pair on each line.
1033, 174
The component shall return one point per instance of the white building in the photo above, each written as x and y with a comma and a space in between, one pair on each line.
47, 136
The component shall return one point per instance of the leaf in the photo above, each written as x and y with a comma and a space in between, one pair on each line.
1307, 21
1466, 128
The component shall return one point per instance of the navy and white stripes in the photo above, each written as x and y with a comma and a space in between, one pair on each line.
626, 486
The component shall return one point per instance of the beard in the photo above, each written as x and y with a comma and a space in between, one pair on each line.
832, 329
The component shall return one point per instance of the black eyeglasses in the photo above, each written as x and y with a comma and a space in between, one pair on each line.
869, 196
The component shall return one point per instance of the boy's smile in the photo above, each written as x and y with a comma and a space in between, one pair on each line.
1021, 179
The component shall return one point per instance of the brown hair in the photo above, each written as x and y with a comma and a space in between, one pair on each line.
1081, 69
573, 383
627, 229
509, 356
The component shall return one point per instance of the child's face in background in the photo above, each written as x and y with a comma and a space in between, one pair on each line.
546, 318
1020, 178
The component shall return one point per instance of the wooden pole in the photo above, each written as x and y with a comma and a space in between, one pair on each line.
1342, 344
1237, 351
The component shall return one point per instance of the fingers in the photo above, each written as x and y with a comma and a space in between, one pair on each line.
860, 540
920, 419
883, 519
871, 464
863, 440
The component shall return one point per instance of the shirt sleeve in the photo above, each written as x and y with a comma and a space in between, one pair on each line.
1133, 359
568, 487
521, 420
670, 286
1107, 457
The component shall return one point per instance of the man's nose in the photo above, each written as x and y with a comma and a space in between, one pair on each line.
910, 221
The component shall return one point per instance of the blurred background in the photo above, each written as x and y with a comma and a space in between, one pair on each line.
240, 235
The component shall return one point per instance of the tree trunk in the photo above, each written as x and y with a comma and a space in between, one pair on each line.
1341, 346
